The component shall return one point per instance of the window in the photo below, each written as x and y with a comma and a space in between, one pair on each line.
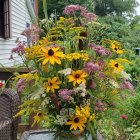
5, 18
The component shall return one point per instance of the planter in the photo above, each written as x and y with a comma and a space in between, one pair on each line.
71, 135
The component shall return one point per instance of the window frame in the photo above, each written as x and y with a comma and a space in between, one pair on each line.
6, 19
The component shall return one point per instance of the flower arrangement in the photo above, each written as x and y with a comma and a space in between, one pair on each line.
72, 82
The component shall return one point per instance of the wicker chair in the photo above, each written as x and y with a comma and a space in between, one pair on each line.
9, 100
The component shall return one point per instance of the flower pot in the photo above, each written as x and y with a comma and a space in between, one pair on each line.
71, 135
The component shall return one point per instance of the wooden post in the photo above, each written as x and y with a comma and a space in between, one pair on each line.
31, 120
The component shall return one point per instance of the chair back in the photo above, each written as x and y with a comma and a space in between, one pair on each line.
9, 101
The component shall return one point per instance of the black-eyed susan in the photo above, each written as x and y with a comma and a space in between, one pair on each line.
77, 77
76, 122
116, 66
116, 48
52, 55
38, 118
52, 84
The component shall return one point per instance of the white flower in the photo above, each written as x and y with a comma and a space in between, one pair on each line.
63, 111
81, 89
60, 120
65, 71
126, 75
83, 94
115, 84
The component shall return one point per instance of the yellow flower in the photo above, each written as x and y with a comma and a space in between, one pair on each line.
52, 84
77, 77
116, 66
83, 112
76, 122
92, 117
38, 118
115, 47
122, 60
75, 56
28, 76
52, 55
30, 53
61, 18
43, 41
114, 92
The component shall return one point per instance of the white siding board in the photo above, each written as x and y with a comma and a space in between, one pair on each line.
19, 17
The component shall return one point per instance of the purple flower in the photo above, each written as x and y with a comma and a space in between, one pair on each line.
70, 9
26, 32
127, 85
90, 16
99, 49
90, 67
20, 85
32, 33
99, 106
65, 94
91, 45
83, 11
19, 49
101, 74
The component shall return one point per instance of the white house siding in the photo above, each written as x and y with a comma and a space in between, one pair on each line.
19, 17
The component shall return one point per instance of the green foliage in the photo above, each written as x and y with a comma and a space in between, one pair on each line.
121, 29
117, 7
101, 7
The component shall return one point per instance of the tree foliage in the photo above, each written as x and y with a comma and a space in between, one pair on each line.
118, 7
100, 7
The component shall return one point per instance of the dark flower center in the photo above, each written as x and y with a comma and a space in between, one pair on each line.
77, 76
50, 52
39, 114
116, 65
51, 84
76, 120
115, 49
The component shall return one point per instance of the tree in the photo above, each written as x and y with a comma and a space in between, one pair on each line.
117, 7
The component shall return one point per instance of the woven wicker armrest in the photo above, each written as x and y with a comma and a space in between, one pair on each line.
9, 101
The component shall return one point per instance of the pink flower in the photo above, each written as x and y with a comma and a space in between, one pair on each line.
99, 106
20, 85
101, 75
90, 67
124, 117
32, 33
19, 49
70, 9
1, 84
99, 49
65, 94
127, 85
90, 16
